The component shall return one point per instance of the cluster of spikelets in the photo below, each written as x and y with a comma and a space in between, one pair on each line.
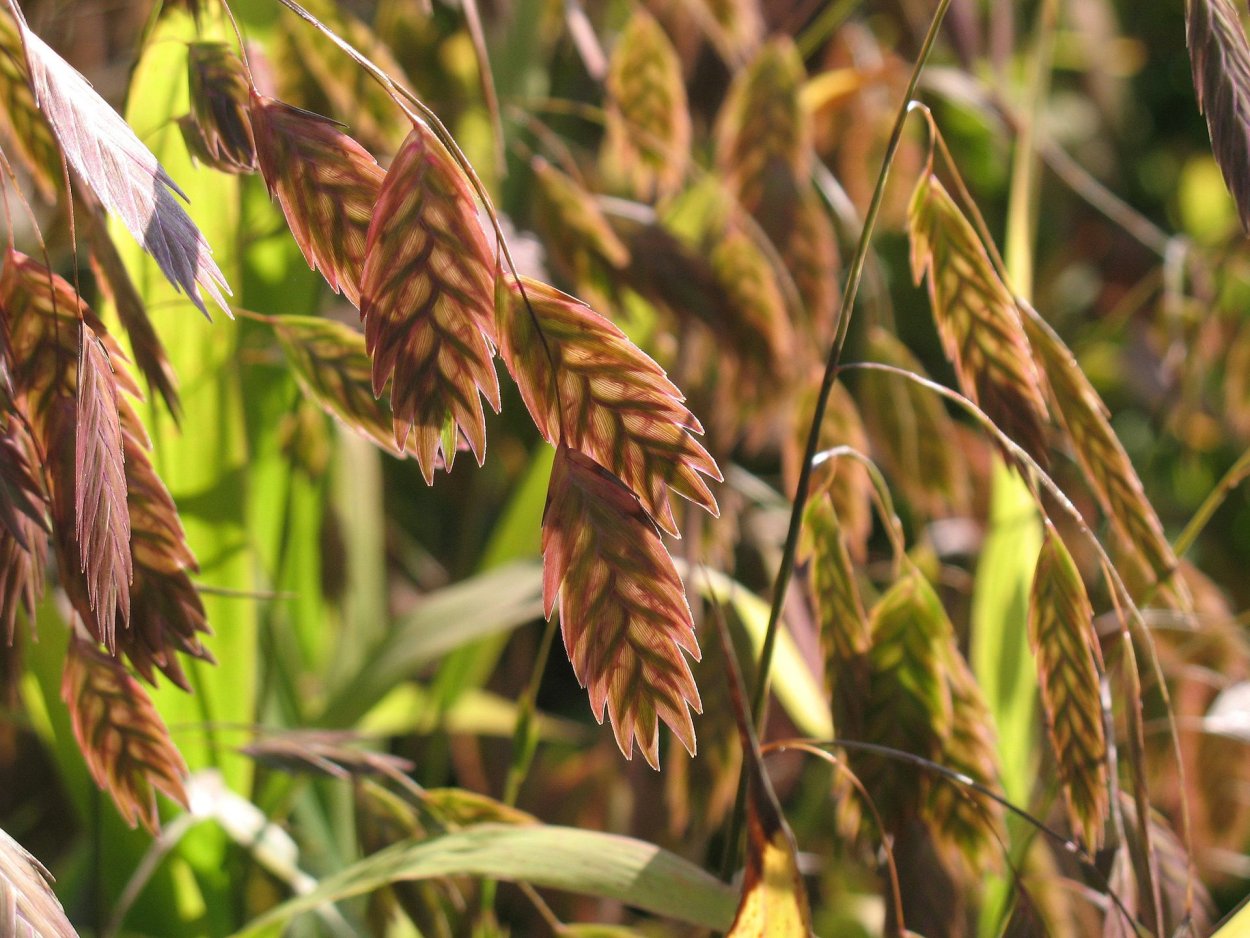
406, 247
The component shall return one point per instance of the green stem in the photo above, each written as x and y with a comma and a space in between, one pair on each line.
854, 275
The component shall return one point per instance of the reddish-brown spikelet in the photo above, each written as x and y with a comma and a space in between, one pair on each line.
1065, 645
101, 522
28, 905
220, 93
167, 613
428, 302
977, 317
63, 376
20, 118
623, 610
122, 737
331, 364
588, 386
21, 572
1108, 469
326, 183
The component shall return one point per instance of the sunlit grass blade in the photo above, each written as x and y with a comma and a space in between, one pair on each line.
606, 865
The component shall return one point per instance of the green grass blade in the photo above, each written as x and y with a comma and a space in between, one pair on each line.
609, 866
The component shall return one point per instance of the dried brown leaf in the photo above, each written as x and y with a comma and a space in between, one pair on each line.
220, 91
977, 317
331, 364
1068, 662
326, 183
764, 146
605, 398
123, 173
122, 737
648, 119
428, 303
1107, 468
1220, 58
101, 521
28, 906
623, 609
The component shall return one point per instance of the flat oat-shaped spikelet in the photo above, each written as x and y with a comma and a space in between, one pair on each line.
623, 610
1220, 58
220, 95
123, 173
1062, 636
326, 183
28, 906
122, 737
428, 303
648, 119
588, 386
101, 521
977, 317
763, 137
1107, 467
69, 389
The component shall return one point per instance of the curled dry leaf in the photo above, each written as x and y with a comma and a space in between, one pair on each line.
1102, 456
28, 906
122, 737
331, 364
587, 386
326, 183
977, 317
623, 609
123, 173
220, 95
101, 521
1220, 57
648, 119
428, 303
764, 146
1062, 636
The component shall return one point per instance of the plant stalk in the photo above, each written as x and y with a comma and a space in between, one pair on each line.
854, 274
